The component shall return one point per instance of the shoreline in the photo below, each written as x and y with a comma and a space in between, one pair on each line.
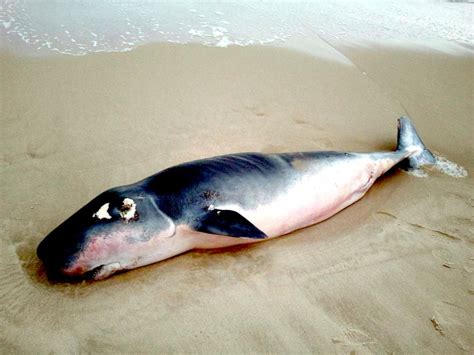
38, 27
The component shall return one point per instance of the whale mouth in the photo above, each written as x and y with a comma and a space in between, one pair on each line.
93, 273
59, 276
103, 271
99, 272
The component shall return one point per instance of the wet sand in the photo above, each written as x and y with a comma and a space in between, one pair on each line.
392, 273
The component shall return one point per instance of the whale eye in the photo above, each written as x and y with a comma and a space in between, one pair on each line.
128, 210
103, 212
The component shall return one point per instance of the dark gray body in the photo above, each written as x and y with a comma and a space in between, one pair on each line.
185, 192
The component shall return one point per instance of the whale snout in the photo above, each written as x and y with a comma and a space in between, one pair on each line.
113, 231
58, 251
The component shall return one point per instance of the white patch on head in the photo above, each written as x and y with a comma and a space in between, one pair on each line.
128, 210
103, 213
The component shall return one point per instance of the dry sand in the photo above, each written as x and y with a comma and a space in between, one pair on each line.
392, 273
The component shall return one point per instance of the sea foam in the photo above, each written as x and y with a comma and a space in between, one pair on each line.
39, 27
448, 167
442, 165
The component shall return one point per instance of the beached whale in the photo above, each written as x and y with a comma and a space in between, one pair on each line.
217, 202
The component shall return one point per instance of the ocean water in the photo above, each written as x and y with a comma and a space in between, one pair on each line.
78, 27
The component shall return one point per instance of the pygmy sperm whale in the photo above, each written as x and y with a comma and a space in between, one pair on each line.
217, 202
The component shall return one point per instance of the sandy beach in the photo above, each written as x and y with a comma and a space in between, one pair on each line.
391, 274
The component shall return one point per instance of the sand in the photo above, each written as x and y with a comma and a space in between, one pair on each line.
392, 273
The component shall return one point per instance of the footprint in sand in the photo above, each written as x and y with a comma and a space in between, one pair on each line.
256, 110
352, 336
454, 322
418, 227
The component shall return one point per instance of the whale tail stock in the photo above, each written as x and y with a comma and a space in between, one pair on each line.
409, 140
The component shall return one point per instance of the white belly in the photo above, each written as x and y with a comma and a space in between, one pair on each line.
313, 196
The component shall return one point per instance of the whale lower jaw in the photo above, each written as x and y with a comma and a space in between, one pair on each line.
103, 271
99, 272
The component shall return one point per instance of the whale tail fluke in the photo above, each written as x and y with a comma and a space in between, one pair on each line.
409, 140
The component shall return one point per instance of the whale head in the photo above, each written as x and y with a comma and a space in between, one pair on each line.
116, 230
